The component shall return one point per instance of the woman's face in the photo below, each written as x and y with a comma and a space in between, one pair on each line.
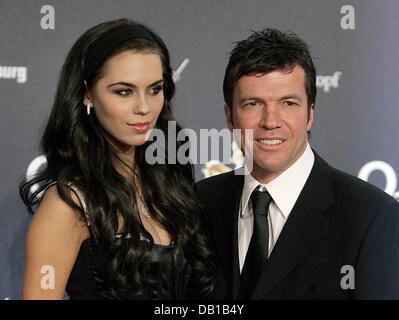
128, 98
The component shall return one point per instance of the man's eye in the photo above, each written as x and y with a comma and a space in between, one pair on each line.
155, 90
252, 103
290, 103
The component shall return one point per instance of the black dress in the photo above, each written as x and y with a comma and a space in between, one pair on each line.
86, 281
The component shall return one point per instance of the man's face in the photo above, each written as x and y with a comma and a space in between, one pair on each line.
274, 105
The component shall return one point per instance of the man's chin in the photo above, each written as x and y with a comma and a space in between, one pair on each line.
266, 171
266, 165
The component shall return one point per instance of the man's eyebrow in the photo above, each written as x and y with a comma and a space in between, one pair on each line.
291, 96
131, 85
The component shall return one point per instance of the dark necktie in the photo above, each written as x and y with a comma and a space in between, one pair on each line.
258, 247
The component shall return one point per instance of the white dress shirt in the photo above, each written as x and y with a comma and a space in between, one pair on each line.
284, 190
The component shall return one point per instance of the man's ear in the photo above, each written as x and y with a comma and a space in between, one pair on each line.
229, 117
310, 117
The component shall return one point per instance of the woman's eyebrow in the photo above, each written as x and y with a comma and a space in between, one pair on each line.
131, 85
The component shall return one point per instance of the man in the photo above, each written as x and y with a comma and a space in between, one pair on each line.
295, 228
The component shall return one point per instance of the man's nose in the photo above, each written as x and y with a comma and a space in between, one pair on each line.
270, 117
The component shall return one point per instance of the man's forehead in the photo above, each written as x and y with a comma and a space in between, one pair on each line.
275, 79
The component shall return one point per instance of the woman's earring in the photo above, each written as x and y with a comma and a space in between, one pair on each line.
88, 109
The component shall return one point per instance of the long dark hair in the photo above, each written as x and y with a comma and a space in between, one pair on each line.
77, 152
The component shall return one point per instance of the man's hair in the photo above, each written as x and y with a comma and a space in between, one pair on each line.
266, 51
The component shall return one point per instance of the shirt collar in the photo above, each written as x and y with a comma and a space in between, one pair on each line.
284, 189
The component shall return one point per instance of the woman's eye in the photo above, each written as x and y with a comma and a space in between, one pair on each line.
124, 92
155, 90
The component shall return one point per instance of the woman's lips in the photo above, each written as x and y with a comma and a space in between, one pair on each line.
139, 127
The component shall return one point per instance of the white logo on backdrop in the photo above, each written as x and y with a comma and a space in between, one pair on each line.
13, 72
387, 170
176, 74
34, 167
214, 167
327, 82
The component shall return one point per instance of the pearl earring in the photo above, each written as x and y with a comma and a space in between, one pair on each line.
88, 109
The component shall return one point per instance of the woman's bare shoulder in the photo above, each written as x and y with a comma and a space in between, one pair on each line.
54, 211
54, 236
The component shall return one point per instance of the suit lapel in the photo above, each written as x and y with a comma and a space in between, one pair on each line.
230, 200
302, 231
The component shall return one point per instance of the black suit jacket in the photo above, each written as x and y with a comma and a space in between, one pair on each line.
337, 221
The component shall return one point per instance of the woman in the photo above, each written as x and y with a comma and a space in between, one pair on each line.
109, 225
